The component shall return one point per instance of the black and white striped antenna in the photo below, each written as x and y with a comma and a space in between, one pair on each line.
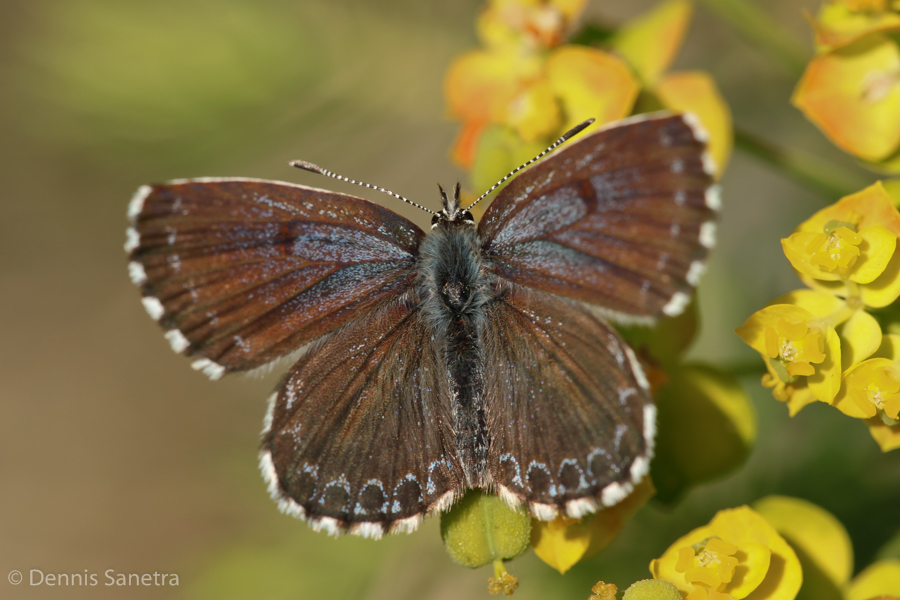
307, 166
569, 134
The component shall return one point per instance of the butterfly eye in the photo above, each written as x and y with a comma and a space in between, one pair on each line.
435, 220
466, 217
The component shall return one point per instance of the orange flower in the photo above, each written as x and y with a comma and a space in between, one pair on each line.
851, 89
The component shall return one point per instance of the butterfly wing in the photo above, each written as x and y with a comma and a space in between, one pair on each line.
621, 220
242, 272
568, 410
358, 435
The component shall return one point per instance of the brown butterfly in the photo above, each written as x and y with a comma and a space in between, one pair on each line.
427, 364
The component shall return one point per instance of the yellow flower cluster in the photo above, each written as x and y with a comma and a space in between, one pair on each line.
737, 554
526, 86
768, 552
824, 343
851, 89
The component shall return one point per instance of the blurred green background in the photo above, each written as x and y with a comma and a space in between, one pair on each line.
114, 454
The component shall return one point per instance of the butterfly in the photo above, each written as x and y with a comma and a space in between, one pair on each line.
426, 364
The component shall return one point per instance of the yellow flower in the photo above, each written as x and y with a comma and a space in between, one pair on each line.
849, 248
801, 351
564, 541
852, 93
534, 24
649, 43
525, 81
871, 391
871, 388
736, 555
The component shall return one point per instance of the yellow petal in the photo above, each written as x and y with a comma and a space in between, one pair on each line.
818, 304
743, 525
836, 25
481, 85
888, 437
848, 94
753, 331
755, 560
885, 288
858, 378
817, 537
696, 92
861, 336
799, 400
869, 207
591, 84
792, 330
800, 368
879, 579
650, 41
706, 428
826, 382
876, 249
560, 546
534, 113
607, 523
563, 542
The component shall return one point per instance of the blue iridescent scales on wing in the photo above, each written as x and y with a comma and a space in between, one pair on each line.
428, 364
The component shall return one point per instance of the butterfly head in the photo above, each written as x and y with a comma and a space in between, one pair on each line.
452, 212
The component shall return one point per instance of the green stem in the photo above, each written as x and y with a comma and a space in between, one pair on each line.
758, 28
830, 179
499, 568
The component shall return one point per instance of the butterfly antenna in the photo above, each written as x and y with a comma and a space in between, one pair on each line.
307, 166
569, 134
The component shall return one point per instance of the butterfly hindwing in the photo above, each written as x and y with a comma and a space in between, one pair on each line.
242, 272
569, 415
621, 220
359, 436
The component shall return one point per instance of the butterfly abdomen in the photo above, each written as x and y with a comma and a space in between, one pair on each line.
454, 295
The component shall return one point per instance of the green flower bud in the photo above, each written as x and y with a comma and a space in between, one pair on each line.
480, 529
652, 589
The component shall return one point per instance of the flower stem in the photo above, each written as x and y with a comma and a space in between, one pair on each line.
757, 27
499, 568
831, 180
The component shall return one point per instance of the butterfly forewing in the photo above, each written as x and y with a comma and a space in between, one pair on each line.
358, 437
242, 272
621, 220
569, 416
